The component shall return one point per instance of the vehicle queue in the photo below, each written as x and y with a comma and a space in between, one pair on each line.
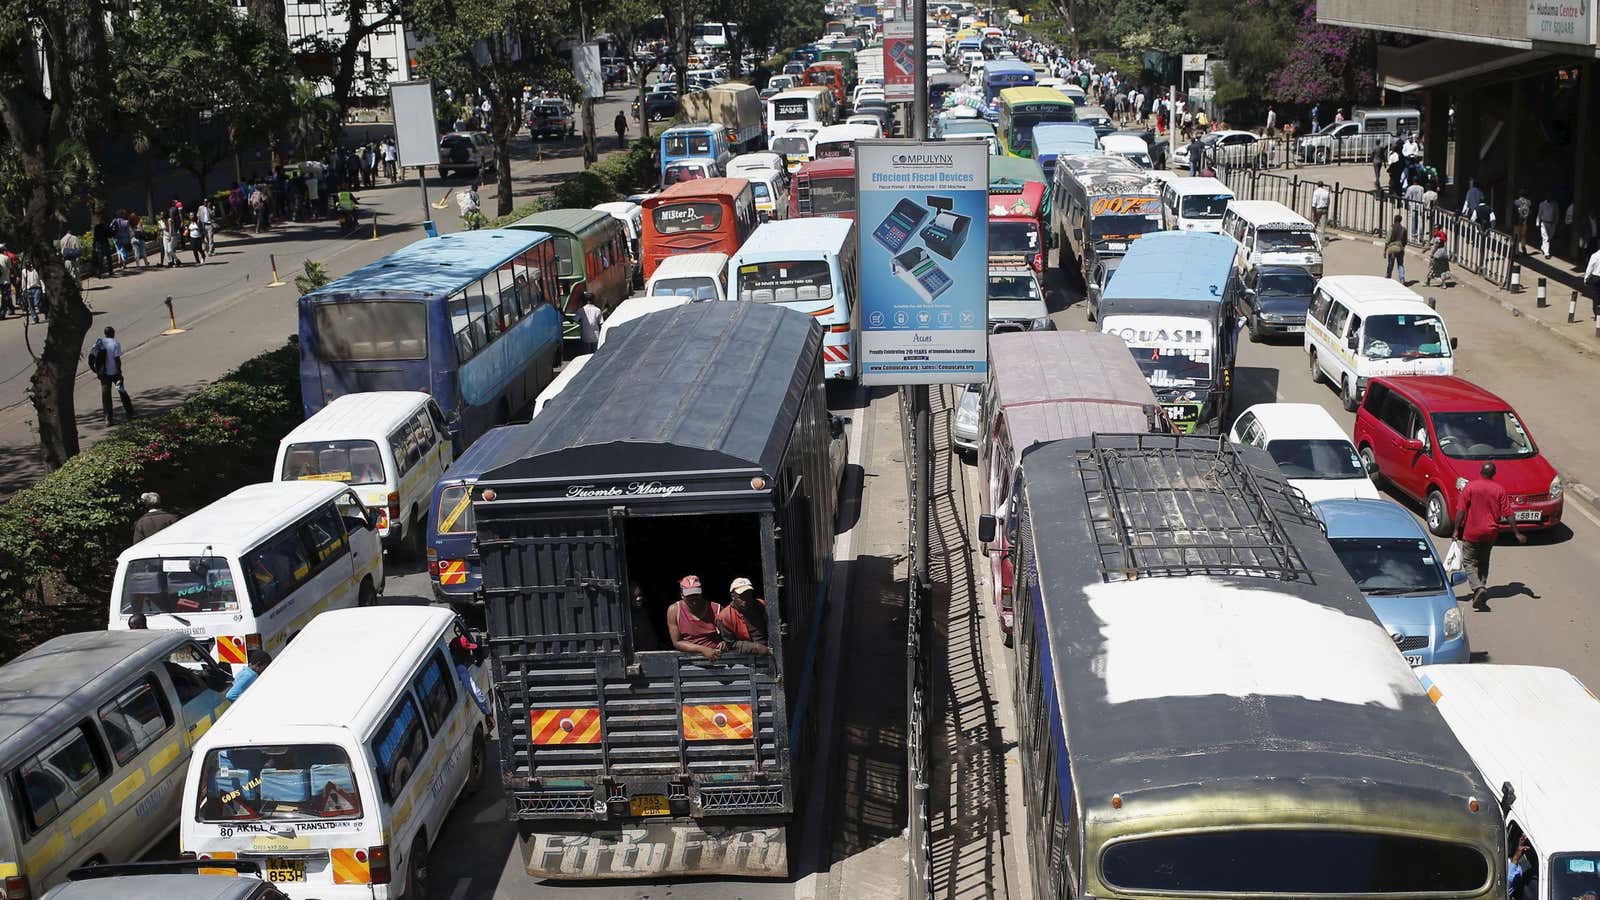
1082, 440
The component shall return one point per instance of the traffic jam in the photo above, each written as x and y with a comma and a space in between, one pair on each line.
629, 557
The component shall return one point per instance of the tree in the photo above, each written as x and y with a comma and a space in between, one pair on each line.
623, 18
339, 57
56, 73
1326, 62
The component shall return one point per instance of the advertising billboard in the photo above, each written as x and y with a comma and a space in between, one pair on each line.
415, 129
924, 235
900, 61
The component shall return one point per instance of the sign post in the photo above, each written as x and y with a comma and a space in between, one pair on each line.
416, 136
924, 244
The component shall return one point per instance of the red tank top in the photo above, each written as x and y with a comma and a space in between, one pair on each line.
696, 630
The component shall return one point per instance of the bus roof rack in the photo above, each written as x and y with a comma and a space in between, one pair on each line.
1161, 507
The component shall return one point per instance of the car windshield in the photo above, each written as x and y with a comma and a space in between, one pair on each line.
1388, 566
1483, 435
1316, 458
1405, 337
178, 584
1142, 160
1172, 368
1195, 206
310, 782
1287, 283
352, 462
1013, 287
1575, 875
792, 146
1013, 237
833, 195
1286, 241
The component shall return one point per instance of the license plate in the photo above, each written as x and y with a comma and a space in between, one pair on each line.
649, 805
280, 869
1413, 661
1528, 515
1293, 329
1179, 413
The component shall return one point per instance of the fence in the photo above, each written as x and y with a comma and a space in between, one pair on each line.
916, 433
1479, 249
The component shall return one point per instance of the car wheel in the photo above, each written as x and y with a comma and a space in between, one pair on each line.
1316, 371
1347, 394
476, 766
1255, 329
417, 871
1323, 154
417, 538
368, 595
1369, 464
1438, 515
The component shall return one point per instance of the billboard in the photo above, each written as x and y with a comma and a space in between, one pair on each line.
900, 61
415, 131
924, 254
587, 72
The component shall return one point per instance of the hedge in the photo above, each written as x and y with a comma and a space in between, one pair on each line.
60, 538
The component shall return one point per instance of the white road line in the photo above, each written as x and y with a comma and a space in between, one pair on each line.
1583, 510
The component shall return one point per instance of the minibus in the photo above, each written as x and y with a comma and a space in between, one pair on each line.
391, 446
96, 740
631, 215
808, 265
713, 215
638, 308
1362, 326
1271, 234
1194, 204
699, 141
336, 769
794, 107
251, 569
693, 276
591, 249
840, 140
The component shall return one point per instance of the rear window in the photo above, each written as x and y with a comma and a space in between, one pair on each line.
695, 287
367, 330
682, 218
455, 510
178, 584
791, 110
287, 783
352, 462
780, 282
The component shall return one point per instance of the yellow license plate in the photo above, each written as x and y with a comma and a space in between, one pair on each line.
649, 805
281, 870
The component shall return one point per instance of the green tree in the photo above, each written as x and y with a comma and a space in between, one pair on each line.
337, 60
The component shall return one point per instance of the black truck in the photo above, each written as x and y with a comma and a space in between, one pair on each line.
696, 442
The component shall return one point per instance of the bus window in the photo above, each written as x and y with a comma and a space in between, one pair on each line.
371, 330
687, 218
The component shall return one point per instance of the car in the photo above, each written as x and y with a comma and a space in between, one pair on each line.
1016, 301
1309, 447
882, 118
1427, 436
466, 153
1157, 148
1097, 118
1338, 142
794, 67
964, 429
551, 117
1233, 148
1392, 560
659, 106
1275, 299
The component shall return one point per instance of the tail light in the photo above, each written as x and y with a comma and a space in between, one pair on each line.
394, 507
17, 888
433, 562
252, 642
378, 863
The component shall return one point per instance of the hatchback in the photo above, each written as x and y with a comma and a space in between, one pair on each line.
1393, 562
1426, 436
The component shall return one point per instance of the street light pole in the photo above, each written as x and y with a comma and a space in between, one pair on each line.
919, 101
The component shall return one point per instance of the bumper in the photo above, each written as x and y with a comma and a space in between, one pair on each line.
670, 847
963, 440
1549, 514
1282, 325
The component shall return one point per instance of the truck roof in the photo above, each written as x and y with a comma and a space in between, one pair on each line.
1174, 265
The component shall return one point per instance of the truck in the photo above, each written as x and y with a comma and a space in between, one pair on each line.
675, 452
734, 105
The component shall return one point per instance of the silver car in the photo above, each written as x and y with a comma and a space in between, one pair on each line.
968, 421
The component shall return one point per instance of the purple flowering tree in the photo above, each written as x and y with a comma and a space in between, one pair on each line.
1325, 62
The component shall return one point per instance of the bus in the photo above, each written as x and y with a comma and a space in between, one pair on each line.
712, 215
828, 74
824, 187
790, 108
471, 318
1206, 704
1100, 205
1002, 74
808, 265
591, 249
1023, 108
837, 141
1017, 236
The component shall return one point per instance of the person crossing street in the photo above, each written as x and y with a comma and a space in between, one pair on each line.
105, 361
1484, 508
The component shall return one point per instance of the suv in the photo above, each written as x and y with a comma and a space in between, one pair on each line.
1427, 436
466, 152
658, 106
551, 117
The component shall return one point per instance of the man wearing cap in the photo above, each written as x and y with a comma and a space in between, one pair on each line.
742, 624
692, 621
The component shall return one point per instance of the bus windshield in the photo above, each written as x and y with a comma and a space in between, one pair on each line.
1111, 228
1022, 123
684, 218
1172, 367
833, 195
371, 330
1011, 236
288, 783
352, 462
1195, 206
178, 584
780, 282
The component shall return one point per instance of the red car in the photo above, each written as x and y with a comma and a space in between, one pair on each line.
1428, 435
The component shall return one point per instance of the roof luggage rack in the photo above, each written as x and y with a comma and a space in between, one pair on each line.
1165, 506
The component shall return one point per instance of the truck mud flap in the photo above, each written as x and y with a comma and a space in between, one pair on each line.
655, 849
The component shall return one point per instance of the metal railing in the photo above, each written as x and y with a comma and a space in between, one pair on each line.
916, 434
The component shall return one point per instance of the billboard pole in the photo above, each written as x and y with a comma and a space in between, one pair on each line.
919, 101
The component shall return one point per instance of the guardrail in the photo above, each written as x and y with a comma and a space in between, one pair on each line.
916, 436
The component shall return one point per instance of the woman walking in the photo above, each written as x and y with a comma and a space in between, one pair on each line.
169, 252
197, 240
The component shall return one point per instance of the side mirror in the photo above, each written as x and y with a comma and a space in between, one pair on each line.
1508, 796
988, 526
1454, 343
1413, 445
1458, 578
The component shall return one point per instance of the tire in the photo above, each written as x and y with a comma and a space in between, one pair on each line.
1369, 464
476, 766
1316, 373
1438, 515
1324, 155
368, 595
1255, 329
416, 887
416, 541
1347, 395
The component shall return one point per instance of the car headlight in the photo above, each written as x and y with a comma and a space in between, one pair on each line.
1555, 488
1452, 623
1461, 483
1042, 323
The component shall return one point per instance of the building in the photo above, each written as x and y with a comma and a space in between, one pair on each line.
383, 55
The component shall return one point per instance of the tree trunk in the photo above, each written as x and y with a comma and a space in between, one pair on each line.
644, 120
56, 366
685, 35
590, 154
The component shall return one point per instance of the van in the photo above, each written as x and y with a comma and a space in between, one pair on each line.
1271, 234
95, 741
174, 880
251, 569
391, 446
1194, 204
1530, 731
1394, 121
1363, 326
335, 770
697, 276
631, 215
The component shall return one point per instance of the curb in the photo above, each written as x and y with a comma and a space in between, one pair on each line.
1584, 492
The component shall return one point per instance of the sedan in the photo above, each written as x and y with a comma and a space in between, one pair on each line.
1233, 148
1275, 300
964, 431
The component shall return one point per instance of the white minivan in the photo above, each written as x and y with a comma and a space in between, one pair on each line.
253, 568
1194, 204
335, 770
1271, 234
697, 276
1360, 327
391, 446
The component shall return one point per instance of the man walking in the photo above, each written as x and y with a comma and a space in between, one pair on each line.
154, 519
1394, 250
6, 288
1197, 156
590, 318
1413, 197
105, 360
1484, 508
1272, 122
1321, 199
1315, 125
1547, 224
208, 231
1591, 282
620, 123
1380, 155
1521, 215
32, 292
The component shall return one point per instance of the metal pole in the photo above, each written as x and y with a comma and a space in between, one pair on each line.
427, 211
919, 101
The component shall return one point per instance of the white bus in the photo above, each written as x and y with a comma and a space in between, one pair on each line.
791, 108
840, 140
808, 265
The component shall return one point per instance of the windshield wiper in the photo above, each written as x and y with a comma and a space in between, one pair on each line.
1395, 592
180, 619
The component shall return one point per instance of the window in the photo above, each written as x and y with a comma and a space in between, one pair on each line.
401, 445
1320, 303
370, 330
435, 685
135, 719
188, 681
1354, 340
275, 569
178, 584
63, 773
323, 534
294, 782
1398, 415
1246, 427
399, 747
1375, 397
1337, 316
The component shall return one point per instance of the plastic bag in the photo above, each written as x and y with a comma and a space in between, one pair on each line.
1452, 557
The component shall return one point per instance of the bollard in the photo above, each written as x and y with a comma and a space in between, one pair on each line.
374, 226
276, 281
1542, 301
1516, 278
172, 320
1433, 302
1572, 309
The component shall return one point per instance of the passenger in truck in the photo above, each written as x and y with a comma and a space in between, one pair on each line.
742, 624
692, 621
646, 636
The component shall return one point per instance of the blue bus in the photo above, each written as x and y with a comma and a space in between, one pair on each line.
470, 318
1001, 74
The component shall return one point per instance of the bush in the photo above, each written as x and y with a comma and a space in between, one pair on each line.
612, 178
60, 538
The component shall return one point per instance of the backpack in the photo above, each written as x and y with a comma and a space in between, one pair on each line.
97, 357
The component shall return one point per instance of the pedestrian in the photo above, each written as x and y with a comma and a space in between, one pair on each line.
1272, 121
102, 236
1413, 198
1430, 203
1315, 124
169, 252
154, 519
1521, 216
390, 154
33, 292
590, 318
7, 295
470, 204
464, 654
258, 207
1197, 156
692, 621
620, 123
197, 240
1380, 154
1484, 508
122, 234
1547, 223
105, 361
137, 240
258, 660
1394, 249
1473, 197
1591, 281
71, 251
208, 227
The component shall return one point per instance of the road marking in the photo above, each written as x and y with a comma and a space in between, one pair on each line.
1583, 510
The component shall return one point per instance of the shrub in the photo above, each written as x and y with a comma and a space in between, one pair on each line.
60, 538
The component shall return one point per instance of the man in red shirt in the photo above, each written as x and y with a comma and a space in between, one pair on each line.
1484, 506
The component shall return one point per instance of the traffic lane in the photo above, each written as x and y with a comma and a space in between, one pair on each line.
1539, 614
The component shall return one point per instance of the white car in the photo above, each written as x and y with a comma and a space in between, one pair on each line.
1309, 447
1233, 148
